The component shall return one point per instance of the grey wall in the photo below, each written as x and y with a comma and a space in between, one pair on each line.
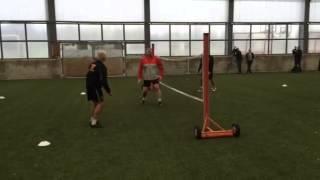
30, 69
47, 69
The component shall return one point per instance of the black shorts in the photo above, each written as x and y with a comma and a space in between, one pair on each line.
94, 94
147, 83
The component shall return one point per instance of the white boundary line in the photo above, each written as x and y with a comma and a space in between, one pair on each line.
181, 92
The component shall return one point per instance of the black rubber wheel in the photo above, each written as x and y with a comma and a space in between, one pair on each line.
236, 130
197, 132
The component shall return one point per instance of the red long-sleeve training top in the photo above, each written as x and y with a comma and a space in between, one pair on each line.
150, 68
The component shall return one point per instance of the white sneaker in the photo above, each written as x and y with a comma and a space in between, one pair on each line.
93, 121
143, 100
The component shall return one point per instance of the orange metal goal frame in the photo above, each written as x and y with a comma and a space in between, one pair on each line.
210, 128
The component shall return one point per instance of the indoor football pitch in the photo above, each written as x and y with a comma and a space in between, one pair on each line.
280, 130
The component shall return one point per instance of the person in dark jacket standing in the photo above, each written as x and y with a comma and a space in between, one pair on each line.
297, 54
238, 56
249, 57
95, 81
211, 65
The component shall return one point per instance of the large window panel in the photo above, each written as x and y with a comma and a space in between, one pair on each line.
23, 10
217, 47
14, 50
180, 32
315, 10
67, 32
90, 32
159, 32
37, 31
260, 31
13, 32
293, 31
180, 48
268, 10
134, 32
196, 48
189, 10
314, 46
314, 31
112, 49
112, 32
38, 49
278, 47
98, 10
198, 30
76, 50
241, 32
217, 32
135, 48
278, 31
161, 48
242, 45
259, 46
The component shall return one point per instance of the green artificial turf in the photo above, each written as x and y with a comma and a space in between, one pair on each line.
280, 130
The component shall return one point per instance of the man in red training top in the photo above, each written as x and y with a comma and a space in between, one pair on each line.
151, 71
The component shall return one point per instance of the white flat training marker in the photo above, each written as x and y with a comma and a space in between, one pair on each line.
44, 143
2, 97
82, 93
284, 85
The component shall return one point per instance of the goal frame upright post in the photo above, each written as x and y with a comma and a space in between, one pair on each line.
205, 75
210, 128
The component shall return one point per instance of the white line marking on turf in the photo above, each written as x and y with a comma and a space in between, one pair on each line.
181, 92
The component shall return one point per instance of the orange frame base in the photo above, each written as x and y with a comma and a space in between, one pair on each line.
216, 134
208, 132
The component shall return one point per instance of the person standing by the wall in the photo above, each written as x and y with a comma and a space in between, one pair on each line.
297, 55
294, 51
238, 56
233, 58
249, 57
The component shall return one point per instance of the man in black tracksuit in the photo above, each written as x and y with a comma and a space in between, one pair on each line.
297, 54
238, 56
239, 60
96, 80
211, 64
